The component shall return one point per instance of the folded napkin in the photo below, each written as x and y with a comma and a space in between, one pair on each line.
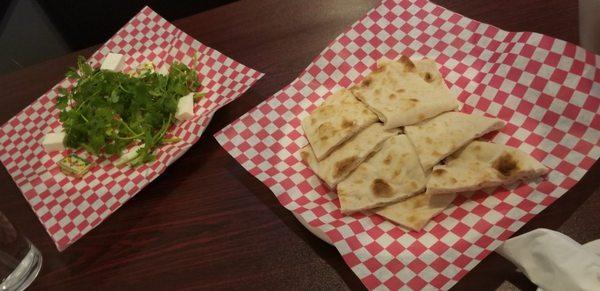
554, 261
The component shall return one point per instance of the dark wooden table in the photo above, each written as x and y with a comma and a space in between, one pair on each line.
206, 223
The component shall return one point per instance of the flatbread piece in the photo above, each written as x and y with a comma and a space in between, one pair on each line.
436, 138
415, 212
404, 93
335, 121
391, 174
341, 162
483, 164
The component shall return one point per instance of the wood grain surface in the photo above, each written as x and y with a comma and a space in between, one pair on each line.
208, 224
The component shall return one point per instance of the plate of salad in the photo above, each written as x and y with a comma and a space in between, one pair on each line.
110, 113
115, 123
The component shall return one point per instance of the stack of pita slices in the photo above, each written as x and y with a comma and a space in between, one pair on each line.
395, 145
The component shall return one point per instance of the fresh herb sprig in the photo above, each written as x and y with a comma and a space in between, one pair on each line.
106, 112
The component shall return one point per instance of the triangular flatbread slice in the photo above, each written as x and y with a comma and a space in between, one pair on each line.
483, 164
335, 121
404, 93
391, 174
341, 162
436, 138
417, 211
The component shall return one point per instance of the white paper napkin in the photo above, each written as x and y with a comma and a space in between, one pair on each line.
554, 261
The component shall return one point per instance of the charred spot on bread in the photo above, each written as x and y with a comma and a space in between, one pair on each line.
407, 63
343, 166
428, 78
366, 82
438, 172
506, 164
325, 130
381, 188
388, 160
347, 123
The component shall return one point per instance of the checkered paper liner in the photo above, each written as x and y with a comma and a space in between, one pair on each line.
69, 207
546, 89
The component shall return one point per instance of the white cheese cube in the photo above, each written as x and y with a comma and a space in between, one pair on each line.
113, 62
128, 155
53, 141
185, 107
164, 70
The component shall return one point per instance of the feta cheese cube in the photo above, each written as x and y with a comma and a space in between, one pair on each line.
128, 155
164, 70
59, 128
185, 107
53, 141
113, 62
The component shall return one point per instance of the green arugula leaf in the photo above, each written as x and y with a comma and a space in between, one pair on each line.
72, 73
62, 102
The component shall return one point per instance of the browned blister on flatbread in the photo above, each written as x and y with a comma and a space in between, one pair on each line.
339, 118
391, 174
481, 165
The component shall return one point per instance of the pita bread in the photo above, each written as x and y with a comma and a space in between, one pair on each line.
346, 158
392, 174
335, 121
402, 93
436, 138
417, 211
481, 165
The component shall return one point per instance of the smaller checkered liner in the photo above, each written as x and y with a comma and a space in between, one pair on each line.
547, 90
68, 207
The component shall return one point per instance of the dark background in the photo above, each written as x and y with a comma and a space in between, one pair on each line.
32, 31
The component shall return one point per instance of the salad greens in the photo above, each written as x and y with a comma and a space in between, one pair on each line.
106, 112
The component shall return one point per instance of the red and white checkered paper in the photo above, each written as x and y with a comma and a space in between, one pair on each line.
69, 207
547, 90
